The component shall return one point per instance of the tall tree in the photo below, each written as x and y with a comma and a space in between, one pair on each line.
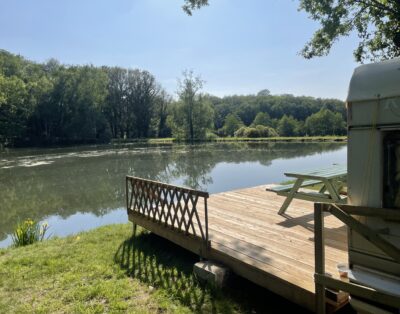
163, 102
14, 108
262, 118
377, 23
188, 89
141, 98
325, 122
287, 126
192, 115
115, 106
232, 124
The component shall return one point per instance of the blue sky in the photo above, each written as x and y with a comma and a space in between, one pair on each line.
237, 46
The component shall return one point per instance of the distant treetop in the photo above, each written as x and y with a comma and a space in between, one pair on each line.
264, 92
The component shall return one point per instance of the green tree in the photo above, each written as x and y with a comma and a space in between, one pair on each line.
247, 112
232, 124
325, 122
72, 112
142, 91
262, 118
14, 108
202, 120
163, 102
287, 126
191, 106
377, 23
84, 91
115, 107
264, 92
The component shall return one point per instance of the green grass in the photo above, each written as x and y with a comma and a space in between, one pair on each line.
166, 140
107, 270
284, 139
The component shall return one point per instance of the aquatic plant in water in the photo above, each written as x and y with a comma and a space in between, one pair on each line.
29, 232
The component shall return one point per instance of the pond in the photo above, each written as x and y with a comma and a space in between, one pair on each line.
79, 188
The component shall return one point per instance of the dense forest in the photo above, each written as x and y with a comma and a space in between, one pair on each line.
51, 103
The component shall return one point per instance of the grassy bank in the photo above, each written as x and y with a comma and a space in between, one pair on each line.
106, 270
240, 139
284, 139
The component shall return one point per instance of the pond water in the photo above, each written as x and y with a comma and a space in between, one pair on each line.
80, 188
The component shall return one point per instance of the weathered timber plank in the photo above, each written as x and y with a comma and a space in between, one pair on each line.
255, 223
293, 255
252, 271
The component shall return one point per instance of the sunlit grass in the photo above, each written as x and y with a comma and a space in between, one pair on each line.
109, 271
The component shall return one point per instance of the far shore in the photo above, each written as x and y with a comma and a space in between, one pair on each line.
331, 138
171, 140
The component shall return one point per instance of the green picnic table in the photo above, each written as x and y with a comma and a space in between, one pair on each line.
332, 178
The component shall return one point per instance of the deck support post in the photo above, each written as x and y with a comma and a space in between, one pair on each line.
319, 257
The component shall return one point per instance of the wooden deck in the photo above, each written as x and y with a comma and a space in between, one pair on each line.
248, 236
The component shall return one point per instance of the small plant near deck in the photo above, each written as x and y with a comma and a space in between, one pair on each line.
29, 232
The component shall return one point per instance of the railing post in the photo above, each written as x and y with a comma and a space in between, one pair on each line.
206, 219
134, 228
126, 194
319, 256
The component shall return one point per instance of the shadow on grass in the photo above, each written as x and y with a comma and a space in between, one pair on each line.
161, 264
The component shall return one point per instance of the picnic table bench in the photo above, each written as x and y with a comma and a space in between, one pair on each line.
332, 179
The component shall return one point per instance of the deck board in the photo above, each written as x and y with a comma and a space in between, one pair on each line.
277, 252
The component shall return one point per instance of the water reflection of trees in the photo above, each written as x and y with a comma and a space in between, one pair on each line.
96, 184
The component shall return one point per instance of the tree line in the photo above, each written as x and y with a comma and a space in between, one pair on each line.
51, 103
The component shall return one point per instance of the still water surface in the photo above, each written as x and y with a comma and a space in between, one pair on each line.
80, 188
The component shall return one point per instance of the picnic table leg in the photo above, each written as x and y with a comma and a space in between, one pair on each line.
339, 186
290, 196
332, 191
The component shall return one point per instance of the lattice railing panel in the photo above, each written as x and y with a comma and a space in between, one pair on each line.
173, 206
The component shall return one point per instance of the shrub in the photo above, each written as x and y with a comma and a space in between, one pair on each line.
210, 136
258, 131
29, 232
265, 131
251, 132
240, 132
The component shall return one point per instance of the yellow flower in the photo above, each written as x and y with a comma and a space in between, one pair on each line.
29, 222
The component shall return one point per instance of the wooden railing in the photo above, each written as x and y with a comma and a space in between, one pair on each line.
172, 206
343, 213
